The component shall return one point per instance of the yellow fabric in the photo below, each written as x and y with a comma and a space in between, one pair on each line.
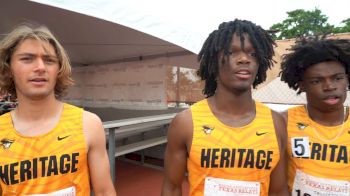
323, 161
46, 163
209, 134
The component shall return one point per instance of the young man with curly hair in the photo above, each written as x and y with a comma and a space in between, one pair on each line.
318, 132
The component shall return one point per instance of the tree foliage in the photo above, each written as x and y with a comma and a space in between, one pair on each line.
344, 28
302, 23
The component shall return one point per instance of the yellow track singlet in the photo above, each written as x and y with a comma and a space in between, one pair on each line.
226, 159
318, 162
55, 162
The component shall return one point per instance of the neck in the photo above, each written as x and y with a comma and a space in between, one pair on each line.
233, 111
37, 109
234, 103
327, 118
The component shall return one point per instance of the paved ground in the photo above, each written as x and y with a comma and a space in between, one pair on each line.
135, 180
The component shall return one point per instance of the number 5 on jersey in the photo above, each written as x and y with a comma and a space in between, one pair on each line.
300, 146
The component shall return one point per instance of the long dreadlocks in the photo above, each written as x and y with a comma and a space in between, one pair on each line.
309, 51
220, 40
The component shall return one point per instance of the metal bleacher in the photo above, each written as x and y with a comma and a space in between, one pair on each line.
119, 129
6, 106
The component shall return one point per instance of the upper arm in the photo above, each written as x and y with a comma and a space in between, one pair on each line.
97, 155
278, 183
179, 139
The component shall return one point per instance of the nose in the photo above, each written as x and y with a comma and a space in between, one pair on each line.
243, 58
40, 64
329, 85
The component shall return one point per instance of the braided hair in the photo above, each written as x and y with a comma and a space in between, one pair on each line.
220, 40
309, 51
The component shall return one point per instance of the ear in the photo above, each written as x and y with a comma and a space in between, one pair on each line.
11, 74
221, 58
347, 82
301, 86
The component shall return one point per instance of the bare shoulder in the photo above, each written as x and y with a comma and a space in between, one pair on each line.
183, 117
90, 118
280, 127
93, 128
181, 128
182, 121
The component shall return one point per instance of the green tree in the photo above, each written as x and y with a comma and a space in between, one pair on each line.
345, 28
302, 23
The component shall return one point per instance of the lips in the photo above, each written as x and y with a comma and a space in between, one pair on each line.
243, 74
38, 81
331, 100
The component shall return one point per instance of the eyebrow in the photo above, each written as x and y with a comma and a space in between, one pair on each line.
33, 55
246, 47
333, 75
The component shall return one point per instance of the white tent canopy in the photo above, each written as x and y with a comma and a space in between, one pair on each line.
110, 34
120, 12
121, 48
122, 29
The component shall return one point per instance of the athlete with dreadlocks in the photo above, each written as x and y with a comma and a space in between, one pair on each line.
229, 143
318, 132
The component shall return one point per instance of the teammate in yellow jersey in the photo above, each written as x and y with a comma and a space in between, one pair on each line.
47, 147
318, 132
229, 143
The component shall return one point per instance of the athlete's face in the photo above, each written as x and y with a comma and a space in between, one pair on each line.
238, 70
34, 67
325, 85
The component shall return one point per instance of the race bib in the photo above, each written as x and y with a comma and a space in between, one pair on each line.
307, 185
64, 192
300, 146
224, 187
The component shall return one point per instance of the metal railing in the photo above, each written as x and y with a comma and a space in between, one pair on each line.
127, 127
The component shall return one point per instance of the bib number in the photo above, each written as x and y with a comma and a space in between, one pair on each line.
64, 192
307, 185
300, 146
224, 187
